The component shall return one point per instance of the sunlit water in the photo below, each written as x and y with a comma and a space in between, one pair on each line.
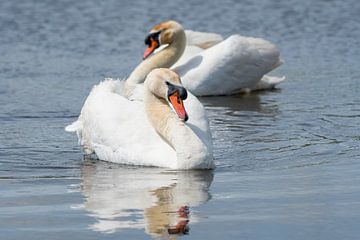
287, 160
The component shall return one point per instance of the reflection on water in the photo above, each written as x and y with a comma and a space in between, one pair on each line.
153, 199
242, 102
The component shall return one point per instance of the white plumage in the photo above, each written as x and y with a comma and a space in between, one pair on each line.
228, 66
118, 130
208, 64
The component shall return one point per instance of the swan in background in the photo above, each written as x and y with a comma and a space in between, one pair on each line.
152, 199
250, 53
207, 64
157, 131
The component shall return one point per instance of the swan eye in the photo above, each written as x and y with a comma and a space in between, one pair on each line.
153, 42
153, 36
182, 93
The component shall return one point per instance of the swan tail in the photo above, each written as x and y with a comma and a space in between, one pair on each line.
268, 82
74, 127
77, 127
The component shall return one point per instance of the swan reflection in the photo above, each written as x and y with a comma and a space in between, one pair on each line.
153, 199
242, 102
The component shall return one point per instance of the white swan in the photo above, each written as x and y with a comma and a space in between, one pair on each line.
152, 132
207, 64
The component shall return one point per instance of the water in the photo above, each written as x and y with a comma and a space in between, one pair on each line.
287, 160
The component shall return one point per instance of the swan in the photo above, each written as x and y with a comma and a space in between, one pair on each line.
157, 131
207, 64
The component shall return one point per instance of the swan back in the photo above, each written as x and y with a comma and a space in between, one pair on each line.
235, 63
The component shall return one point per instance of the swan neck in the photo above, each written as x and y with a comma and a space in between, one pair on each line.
162, 118
189, 148
163, 59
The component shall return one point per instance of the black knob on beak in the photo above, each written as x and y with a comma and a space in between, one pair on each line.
175, 88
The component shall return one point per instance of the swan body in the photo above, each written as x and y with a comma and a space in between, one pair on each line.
228, 67
147, 133
207, 64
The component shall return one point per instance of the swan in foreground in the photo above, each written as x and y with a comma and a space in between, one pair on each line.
155, 132
207, 64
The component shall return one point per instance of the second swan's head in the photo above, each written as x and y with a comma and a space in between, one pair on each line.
166, 84
162, 34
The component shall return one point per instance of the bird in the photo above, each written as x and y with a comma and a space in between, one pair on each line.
167, 128
207, 64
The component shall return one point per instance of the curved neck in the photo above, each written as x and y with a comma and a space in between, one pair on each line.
163, 59
190, 149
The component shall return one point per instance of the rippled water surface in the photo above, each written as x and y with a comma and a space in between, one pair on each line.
287, 159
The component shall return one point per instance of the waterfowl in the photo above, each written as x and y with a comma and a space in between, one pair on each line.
207, 64
169, 128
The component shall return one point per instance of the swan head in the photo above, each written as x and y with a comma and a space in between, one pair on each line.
166, 84
162, 34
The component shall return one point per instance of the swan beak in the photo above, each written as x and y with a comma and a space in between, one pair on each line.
153, 44
178, 105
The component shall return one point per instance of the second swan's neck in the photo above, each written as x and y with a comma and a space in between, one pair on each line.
163, 59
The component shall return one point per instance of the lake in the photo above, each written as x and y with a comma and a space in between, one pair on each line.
288, 160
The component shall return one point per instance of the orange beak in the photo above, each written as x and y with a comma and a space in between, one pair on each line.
178, 106
152, 46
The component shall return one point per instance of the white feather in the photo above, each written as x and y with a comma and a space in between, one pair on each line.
228, 66
117, 129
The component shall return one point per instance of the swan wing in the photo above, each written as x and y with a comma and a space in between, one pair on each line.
237, 62
117, 129
267, 82
198, 120
203, 40
189, 52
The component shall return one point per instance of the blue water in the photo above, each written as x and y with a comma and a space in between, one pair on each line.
287, 160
